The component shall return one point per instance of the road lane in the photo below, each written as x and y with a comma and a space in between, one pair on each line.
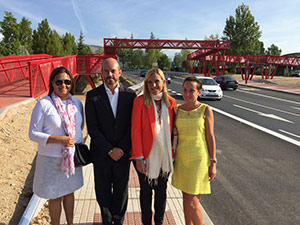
258, 177
276, 114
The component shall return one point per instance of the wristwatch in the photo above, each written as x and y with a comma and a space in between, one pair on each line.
214, 160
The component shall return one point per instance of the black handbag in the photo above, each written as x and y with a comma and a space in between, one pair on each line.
82, 155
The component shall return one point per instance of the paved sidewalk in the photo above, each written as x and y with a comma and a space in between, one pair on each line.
271, 86
14, 92
87, 211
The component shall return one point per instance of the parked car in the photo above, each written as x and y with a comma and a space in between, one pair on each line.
210, 88
227, 82
296, 73
143, 73
168, 78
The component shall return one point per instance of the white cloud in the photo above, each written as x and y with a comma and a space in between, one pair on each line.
1, 36
78, 14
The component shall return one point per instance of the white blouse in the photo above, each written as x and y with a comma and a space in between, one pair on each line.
45, 121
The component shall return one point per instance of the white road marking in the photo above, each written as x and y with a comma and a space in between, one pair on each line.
266, 96
249, 89
266, 130
174, 92
267, 107
283, 131
177, 82
295, 107
272, 116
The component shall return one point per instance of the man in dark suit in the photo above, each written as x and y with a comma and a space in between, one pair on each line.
108, 114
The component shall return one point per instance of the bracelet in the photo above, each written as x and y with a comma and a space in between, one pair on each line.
213, 159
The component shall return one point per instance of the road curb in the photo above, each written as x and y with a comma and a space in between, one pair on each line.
270, 89
5, 109
33, 208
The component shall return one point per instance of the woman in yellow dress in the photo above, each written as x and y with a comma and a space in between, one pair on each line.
195, 157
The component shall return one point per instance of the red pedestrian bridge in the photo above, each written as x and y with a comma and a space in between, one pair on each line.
30, 73
34, 70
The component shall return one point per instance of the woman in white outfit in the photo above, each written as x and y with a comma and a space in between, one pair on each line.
56, 124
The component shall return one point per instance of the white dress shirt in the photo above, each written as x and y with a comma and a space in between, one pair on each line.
113, 98
45, 121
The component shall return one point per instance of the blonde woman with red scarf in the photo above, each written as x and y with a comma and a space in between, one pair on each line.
151, 129
56, 124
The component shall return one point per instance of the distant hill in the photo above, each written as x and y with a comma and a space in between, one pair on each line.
94, 48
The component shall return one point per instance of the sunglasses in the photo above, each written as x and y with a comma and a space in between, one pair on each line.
60, 82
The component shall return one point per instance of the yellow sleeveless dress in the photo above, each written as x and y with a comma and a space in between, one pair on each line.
191, 156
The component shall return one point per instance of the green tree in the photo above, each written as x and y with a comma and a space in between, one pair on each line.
25, 36
123, 54
82, 47
126, 56
69, 44
130, 55
212, 37
10, 44
260, 47
41, 38
151, 56
2, 49
100, 51
163, 61
138, 58
80, 44
180, 61
273, 50
55, 46
243, 32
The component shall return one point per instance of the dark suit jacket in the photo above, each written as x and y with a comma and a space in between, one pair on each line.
107, 132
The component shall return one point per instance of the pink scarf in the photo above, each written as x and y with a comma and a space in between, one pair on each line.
68, 118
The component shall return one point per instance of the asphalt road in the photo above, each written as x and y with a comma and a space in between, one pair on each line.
258, 180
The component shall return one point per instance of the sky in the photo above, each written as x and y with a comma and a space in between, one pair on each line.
279, 20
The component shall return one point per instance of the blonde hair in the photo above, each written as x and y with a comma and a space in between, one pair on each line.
147, 96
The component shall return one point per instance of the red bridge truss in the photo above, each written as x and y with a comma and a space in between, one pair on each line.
247, 63
111, 44
209, 53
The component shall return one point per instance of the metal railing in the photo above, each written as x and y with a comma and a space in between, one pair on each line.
15, 68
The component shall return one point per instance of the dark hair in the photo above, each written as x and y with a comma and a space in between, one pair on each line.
193, 79
57, 71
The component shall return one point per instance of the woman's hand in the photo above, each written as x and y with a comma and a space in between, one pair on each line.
212, 171
67, 141
64, 140
140, 165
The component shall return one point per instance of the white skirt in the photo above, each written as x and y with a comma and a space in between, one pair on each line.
50, 182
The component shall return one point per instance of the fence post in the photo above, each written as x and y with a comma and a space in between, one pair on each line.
30, 79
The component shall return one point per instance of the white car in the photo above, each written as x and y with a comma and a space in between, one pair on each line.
210, 88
